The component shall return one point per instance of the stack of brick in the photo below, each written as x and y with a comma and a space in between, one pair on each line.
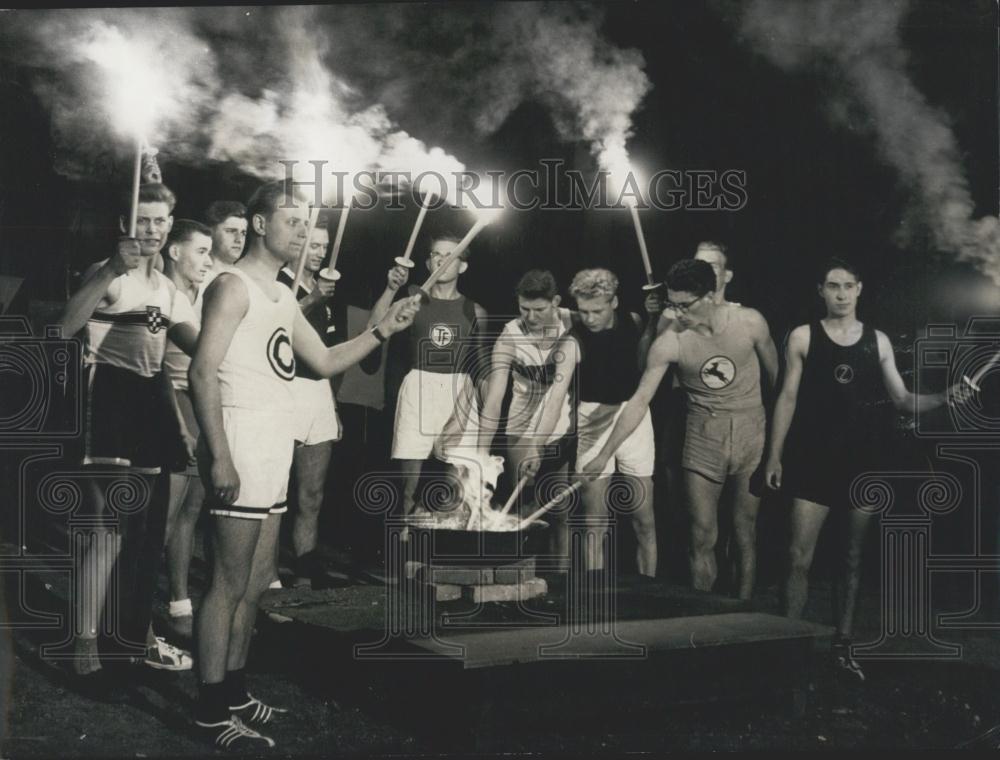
510, 582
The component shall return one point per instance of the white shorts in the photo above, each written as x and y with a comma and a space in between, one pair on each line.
426, 402
316, 418
636, 456
261, 445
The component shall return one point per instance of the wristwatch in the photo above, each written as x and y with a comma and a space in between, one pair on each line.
378, 334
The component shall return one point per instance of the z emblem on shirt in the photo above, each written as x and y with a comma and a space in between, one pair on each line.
843, 373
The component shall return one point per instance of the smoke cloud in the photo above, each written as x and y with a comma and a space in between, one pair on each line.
362, 87
862, 41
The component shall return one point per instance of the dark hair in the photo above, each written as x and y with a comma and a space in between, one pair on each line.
183, 229
717, 246
150, 192
219, 211
267, 199
691, 276
837, 263
538, 283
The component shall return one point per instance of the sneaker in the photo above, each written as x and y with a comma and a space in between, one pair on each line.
842, 659
182, 626
275, 585
164, 656
232, 734
256, 712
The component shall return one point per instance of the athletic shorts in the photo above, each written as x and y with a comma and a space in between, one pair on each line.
637, 454
425, 404
719, 445
128, 420
316, 419
186, 407
262, 445
824, 475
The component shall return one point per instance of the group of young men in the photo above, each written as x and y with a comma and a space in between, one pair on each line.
229, 372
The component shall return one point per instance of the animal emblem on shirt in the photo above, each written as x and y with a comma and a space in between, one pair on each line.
442, 335
155, 320
280, 355
718, 372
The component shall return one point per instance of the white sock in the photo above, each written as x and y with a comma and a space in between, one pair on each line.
275, 584
181, 608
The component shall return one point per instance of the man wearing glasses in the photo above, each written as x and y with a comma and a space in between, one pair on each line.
719, 351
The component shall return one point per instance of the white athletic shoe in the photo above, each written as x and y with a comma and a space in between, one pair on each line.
165, 656
256, 712
233, 734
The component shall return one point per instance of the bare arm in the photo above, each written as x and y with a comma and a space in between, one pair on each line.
101, 287
767, 354
784, 407
656, 325
226, 304
396, 278
327, 362
663, 351
496, 387
903, 399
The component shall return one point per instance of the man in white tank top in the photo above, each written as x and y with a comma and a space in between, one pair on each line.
187, 262
241, 375
128, 309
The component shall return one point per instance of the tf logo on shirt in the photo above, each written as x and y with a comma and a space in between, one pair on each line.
843, 373
718, 372
280, 355
155, 320
442, 335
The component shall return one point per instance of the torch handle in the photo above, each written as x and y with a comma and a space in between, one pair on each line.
341, 225
416, 227
552, 502
514, 494
300, 266
642, 245
136, 178
457, 251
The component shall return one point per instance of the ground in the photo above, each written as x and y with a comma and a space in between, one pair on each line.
342, 707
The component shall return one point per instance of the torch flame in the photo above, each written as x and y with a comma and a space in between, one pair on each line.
138, 88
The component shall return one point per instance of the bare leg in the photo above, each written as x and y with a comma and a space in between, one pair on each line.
260, 577
96, 560
311, 463
411, 469
181, 525
644, 524
857, 527
807, 521
593, 495
233, 546
745, 507
703, 506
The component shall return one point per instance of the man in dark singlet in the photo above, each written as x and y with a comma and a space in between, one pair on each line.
603, 350
837, 371
719, 351
439, 375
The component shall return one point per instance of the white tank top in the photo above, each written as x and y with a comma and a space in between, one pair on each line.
259, 366
131, 333
175, 361
532, 370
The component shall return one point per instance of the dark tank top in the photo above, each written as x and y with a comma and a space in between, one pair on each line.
609, 366
440, 337
841, 396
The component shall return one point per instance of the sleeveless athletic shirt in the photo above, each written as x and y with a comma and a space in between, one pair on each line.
608, 372
440, 336
841, 392
175, 361
532, 372
131, 333
720, 373
259, 366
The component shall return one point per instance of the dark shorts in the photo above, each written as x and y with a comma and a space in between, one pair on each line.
822, 477
128, 421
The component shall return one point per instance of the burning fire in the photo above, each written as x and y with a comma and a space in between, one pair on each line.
477, 475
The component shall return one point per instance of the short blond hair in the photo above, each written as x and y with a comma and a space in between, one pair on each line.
591, 283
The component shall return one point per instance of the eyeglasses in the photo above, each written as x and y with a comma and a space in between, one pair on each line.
682, 308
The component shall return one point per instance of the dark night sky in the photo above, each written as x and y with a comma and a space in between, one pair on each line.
815, 188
